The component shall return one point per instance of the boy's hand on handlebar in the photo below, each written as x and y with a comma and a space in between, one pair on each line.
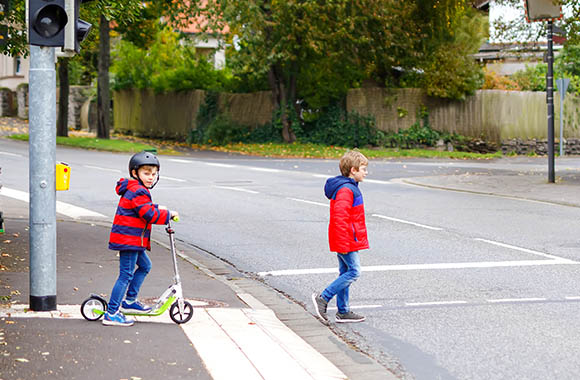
174, 216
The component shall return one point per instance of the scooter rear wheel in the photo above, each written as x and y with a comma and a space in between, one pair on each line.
181, 317
90, 307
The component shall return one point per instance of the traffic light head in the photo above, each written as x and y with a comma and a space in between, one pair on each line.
76, 30
46, 22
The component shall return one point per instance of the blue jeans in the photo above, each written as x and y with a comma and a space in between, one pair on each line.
130, 280
349, 272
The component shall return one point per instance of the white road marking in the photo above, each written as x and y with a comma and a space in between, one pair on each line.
10, 154
63, 208
321, 175
15, 194
103, 169
378, 181
76, 212
181, 161
504, 300
173, 179
435, 303
220, 165
407, 222
572, 298
434, 266
359, 307
526, 250
237, 189
267, 170
309, 202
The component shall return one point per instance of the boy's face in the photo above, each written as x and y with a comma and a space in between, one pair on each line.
147, 175
358, 174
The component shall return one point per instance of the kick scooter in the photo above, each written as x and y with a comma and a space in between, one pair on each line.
181, 311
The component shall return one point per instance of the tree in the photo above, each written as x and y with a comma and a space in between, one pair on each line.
313, 51
513, 29
62, 114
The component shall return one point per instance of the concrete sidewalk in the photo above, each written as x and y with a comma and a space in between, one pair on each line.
524, 185
240, 328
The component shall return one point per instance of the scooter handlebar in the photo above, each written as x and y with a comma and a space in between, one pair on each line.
175, 218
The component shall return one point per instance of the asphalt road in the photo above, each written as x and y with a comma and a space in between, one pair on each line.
455, 285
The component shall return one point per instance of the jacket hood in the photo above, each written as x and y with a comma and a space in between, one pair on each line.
124, 184
334, 183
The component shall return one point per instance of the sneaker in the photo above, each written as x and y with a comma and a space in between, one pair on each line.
349, 317
135, 307
117, 319
320, 305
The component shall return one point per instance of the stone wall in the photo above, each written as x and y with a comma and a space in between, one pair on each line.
539, 147
7, 102
77, 96
22, 96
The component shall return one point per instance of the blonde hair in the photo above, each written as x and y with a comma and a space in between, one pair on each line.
352, 159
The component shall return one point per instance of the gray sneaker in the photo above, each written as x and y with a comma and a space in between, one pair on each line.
320, 305
349, 317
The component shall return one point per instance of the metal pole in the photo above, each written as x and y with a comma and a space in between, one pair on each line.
561, 126
42, 160
550, 96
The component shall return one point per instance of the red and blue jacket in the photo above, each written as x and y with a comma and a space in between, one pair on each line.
347, 230
134, 217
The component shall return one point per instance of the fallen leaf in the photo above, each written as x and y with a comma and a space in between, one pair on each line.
6, 255
22, 360
127, 341
16, 234
7, 241
75, 288
45, 353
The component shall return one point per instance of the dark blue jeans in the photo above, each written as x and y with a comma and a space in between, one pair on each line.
130, 280
349, 272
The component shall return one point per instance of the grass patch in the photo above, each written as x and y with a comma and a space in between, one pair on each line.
298, 150
111, 145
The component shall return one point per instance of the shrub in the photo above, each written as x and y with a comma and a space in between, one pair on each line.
336, 127
167, 65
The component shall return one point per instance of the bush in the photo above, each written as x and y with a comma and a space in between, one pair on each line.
336, 127
168, 65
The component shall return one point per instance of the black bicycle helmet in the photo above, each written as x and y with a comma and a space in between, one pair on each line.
141, 159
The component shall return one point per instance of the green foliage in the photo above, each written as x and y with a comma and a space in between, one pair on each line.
208, 111
452, 72
167, 65
533, 78
335, 127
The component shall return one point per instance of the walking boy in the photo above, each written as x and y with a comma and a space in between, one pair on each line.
130, 236
347, 234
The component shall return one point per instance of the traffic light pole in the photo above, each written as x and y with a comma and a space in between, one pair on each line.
42, 161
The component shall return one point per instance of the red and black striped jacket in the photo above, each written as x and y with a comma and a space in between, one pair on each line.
134, 217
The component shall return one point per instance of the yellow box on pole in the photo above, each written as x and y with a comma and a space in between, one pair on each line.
62, 176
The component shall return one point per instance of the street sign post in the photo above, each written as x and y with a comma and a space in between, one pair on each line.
562, 84
547, 10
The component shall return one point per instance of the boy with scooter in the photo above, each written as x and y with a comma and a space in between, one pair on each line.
130, 236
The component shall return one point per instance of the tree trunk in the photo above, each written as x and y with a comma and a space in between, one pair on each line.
103, 96
281, 102
62, 117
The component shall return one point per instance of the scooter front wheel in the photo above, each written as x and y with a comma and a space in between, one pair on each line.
183, 317
93, 309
